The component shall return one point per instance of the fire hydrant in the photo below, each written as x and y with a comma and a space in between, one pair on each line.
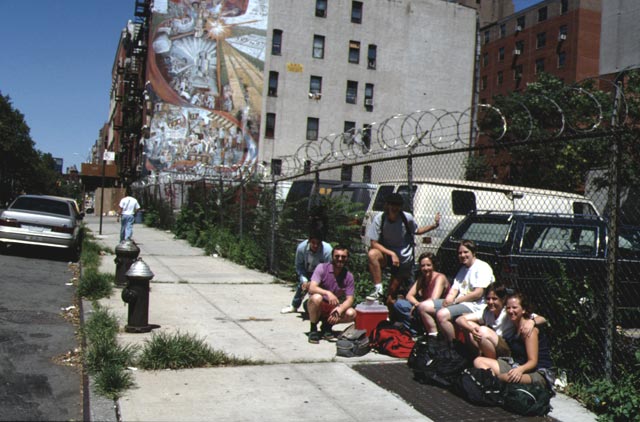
126, 253
136, 294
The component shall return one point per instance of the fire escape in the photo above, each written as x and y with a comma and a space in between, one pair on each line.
132, 101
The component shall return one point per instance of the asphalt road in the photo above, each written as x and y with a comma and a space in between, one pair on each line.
35, 338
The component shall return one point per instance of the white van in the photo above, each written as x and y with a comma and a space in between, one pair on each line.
454, 199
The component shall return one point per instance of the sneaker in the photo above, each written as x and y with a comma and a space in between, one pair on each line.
314, 337
327, 333
376, 295
288, 310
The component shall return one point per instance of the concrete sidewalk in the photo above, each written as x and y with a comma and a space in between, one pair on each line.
236, 310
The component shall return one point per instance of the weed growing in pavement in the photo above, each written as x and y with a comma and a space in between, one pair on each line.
91, 251
111, 381
179, 351
94, 285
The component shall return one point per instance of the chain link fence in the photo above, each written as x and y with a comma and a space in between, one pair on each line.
569, 153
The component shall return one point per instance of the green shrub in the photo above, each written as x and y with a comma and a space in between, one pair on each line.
94, 285
113, 380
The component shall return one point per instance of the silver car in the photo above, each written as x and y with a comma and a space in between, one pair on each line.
42, 220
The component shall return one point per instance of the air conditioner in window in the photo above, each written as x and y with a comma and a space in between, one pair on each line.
517, 52
368, 102
562, 37
518, 28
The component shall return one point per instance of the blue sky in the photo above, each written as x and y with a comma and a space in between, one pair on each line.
56, 67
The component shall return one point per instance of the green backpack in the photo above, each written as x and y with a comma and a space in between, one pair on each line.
527, 399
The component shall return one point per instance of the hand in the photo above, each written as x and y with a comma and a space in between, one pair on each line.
395, 261
526, 328
305, 286
515, 375
476, 334
332, 299
334, 316
436, 220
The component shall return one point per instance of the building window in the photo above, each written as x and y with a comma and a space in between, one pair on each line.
520, 23
321, 8
503, 30
539, 66
315, 84
562, 59
276, 167
366, 174
541, 39
501, 54
354, 52
346, 173
564, 6
372, 54
276, 42
519, 48
356, 11
307, 166
368, 97
483, 83
366, 136
273, 84
517, 73
487, 36
313, 124
318, 47
485, 59
500, 78
270, 128
352, 92
350, 128
562, 33
542, 14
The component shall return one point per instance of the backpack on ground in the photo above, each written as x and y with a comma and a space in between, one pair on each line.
391, 339
480, 387
436, 361
527, 399
352, 342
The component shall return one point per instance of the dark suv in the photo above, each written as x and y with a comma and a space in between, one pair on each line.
526, 249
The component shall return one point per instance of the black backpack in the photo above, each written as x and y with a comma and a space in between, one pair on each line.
480, 387
436, 361
352, 342
527, 399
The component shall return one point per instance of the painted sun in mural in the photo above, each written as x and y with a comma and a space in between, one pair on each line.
217, 29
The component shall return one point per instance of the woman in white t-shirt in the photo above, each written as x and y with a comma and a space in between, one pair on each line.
467, 292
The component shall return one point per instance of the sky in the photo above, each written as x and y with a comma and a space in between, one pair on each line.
57, 57
56, 68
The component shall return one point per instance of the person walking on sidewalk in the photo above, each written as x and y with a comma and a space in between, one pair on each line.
129, 206
392, 245
331, 298
309, 254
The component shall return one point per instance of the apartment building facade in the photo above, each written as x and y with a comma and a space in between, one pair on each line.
341, 65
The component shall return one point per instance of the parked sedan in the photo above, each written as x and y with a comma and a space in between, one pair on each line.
42, 220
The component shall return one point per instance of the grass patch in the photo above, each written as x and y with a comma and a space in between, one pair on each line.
112, 381
94, 285
91, 251
179, 351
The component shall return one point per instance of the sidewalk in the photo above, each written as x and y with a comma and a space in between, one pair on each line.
237, 310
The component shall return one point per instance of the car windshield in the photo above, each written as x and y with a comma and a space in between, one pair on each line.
491, 233
629, 241
41, 205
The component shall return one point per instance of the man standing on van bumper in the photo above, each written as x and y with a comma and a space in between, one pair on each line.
392, 245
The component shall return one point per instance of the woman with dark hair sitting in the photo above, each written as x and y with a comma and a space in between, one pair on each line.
530, 361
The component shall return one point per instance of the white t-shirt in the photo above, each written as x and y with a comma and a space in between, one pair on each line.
468, 279
129, 205
501, 324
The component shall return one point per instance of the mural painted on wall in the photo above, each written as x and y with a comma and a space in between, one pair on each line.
205, 81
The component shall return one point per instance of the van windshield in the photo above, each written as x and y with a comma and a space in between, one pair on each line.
383, 191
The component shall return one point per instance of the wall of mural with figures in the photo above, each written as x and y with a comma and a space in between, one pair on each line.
205, 78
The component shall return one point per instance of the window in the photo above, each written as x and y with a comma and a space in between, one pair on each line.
276, 167
517, 72
321, 8
270, 128
307, 166
539, 66
520, 23
541, 39
485, 59
487, 233
366, 174
500, 78
366, 136
371, 56
503, 30
315, 84
483, 85
564, 6
352, 92
519, 48
350, 127
273, 84
562, 59
501, 54
276, 42
318, 47
354, 52
368, 96
356, 12
487, 36
312, 128
542, 14
346, 173
562, 33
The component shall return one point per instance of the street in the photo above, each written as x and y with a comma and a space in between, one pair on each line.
36, 342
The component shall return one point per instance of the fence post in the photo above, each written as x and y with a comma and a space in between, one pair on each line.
612, 247
272, 251
220, 213
410, 178
241, 204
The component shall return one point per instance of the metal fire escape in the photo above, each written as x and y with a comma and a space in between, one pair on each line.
132, 100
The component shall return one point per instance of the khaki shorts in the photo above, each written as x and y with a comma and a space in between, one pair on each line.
502, 348
506, 364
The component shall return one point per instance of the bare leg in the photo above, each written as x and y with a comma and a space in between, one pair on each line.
314, 308
377, 262
444, 321
426, 310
